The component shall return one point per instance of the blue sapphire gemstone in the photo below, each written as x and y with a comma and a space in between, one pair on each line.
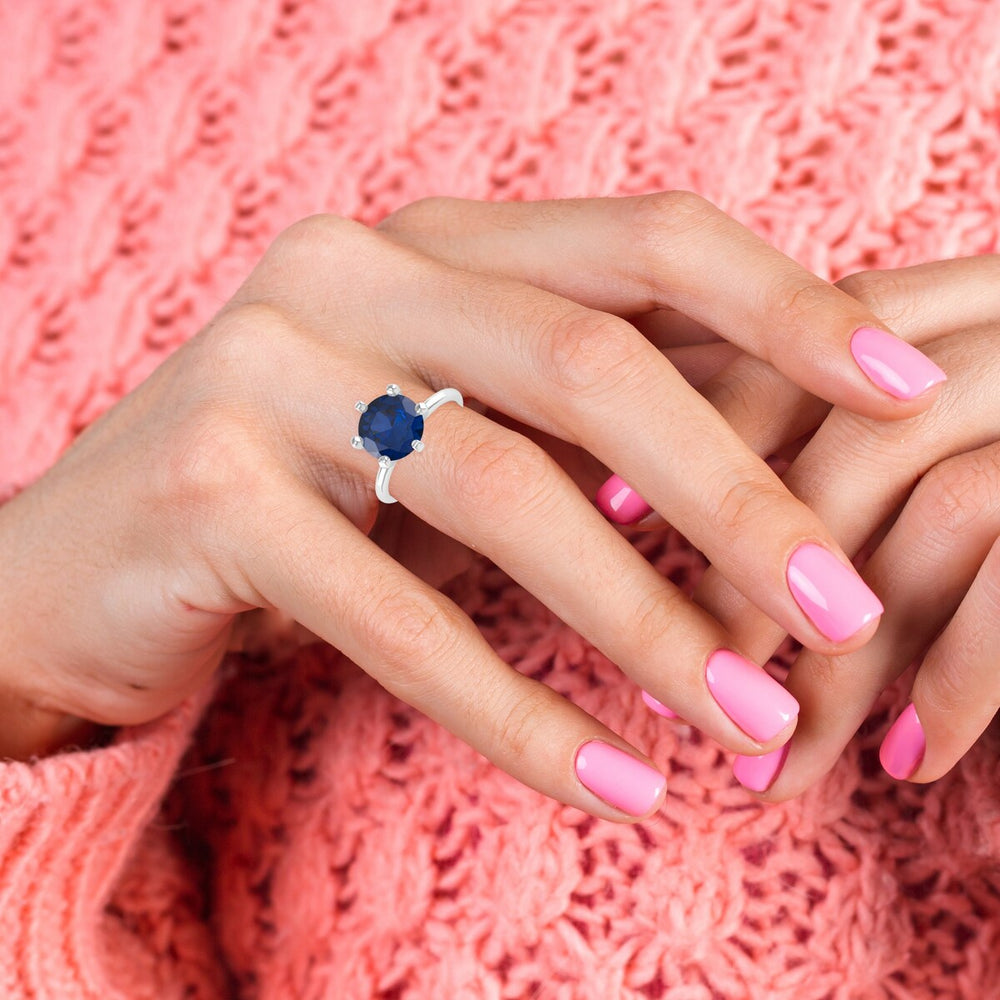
389, 426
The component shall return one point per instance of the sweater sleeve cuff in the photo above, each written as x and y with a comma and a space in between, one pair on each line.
67, 824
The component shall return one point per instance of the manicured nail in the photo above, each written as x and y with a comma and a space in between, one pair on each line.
831, 593
903, 748
620, 502
894, 365
749, 695
658, 706
618, 778
758, 773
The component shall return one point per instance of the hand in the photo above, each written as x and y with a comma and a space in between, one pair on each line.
923, 496
225, 482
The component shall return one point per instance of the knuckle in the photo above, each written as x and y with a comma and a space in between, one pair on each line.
653, 621
239, 341
955, 492
587, 354
425, 215
883, 293
502, 472
322, 232
412, 632
661, 225
945, 688
516, 726
800, 298
745, 508
344, 251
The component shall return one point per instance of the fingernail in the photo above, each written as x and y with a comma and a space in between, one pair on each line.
892, 364
831, 593
620, 502
618, 778
903, 748
658, 706
758, 773
749, 695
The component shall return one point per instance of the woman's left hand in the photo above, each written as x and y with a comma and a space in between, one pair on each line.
924, 495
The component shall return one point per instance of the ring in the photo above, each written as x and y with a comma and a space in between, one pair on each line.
391, 427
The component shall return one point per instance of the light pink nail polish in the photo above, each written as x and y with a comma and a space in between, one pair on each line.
758, 773
892, 364
831, 593
903, 748
620, 502
658, 706
749, 695
618, 778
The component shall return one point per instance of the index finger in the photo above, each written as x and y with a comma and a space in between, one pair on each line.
676, 250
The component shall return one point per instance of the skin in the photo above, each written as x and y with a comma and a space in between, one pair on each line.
225, 482
921, 497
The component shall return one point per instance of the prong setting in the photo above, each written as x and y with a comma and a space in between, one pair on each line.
392, 430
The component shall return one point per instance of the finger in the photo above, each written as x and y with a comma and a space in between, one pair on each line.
922, 571
675, 250
956, 694
855, 473
925, 302
502, 495
495, 491
592, 380
588, 378
423, 649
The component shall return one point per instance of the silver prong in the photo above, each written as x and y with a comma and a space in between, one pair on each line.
417, 445
384, 461
392, 389
420, 409
360, 406
356, 442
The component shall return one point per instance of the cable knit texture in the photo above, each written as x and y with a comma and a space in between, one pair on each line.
323, 839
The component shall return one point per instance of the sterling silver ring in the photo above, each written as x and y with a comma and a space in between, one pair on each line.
391, 427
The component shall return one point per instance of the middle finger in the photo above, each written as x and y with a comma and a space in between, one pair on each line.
591, 379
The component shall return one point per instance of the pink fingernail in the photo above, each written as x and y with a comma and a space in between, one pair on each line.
903, 748
749, 695
831, 593
658, 706
894, 365
620, 502
758, 773
618, 778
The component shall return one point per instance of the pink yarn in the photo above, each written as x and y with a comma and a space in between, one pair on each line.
323, 839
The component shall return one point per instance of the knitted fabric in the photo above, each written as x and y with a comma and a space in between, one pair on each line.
323, 839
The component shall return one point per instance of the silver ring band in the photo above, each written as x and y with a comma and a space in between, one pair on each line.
391, 427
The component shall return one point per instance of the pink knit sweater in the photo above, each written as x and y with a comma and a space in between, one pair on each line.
297, 832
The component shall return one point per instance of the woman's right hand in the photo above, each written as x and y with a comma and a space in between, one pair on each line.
226, 482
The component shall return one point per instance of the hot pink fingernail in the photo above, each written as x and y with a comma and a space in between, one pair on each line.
758, 773
749, 695
620, 502
892, 364
832, 594
618, 778
903, 748
658, 706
